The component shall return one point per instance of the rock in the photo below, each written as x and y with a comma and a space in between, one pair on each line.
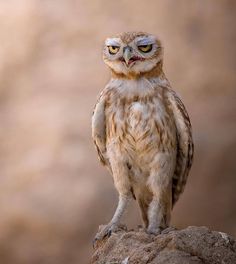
193, 245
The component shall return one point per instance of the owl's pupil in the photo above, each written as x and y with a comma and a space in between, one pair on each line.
145, 48
113, 49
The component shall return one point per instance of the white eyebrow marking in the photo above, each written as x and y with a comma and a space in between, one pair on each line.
145, 40
112, 42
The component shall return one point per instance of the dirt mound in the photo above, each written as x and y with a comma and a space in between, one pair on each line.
193, 245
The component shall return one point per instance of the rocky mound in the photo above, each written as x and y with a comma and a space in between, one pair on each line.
193, 245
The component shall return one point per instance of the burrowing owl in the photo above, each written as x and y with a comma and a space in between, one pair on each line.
142, 131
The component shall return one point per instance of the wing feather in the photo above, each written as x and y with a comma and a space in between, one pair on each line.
185, 146
99, 129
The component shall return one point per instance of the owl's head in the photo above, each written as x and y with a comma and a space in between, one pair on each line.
133, 54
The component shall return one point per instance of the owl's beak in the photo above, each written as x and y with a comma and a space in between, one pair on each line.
127, 54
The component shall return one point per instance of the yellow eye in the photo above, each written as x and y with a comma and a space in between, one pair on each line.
113, 49
145, 48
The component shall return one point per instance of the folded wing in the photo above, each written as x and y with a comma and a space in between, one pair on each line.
185, 147
99, 129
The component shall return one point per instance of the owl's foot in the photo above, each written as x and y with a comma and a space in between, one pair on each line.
154, 231
158, 231
104, 231
168, 230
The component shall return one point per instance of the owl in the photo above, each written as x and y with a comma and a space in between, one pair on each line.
141, 131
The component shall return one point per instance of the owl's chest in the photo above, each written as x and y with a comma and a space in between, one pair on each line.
139, 116
136, 117
137, 113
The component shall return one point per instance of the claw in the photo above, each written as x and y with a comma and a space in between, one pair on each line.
154, 231
168, 230
104, 233
109, 232
94, 242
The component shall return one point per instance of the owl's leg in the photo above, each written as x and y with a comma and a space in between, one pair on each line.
143, 205
160, 184
122, 184
159, 211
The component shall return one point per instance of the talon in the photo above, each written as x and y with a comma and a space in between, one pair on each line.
154, 231
108, 234
104, 233
168, 230
94, 242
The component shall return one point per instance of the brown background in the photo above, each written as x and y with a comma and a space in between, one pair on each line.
53, 191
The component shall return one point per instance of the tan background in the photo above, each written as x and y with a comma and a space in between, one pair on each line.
53, 191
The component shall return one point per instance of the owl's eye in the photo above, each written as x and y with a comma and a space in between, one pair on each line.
145, 48
113, 49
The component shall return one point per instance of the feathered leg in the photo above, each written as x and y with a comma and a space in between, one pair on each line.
122, 184
160, 184
143, 205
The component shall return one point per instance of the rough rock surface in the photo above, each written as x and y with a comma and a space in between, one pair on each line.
193, 245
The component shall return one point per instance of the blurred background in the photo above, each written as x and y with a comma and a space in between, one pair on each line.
53, 192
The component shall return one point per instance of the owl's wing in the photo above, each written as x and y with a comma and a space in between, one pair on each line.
185, 147
99, 129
